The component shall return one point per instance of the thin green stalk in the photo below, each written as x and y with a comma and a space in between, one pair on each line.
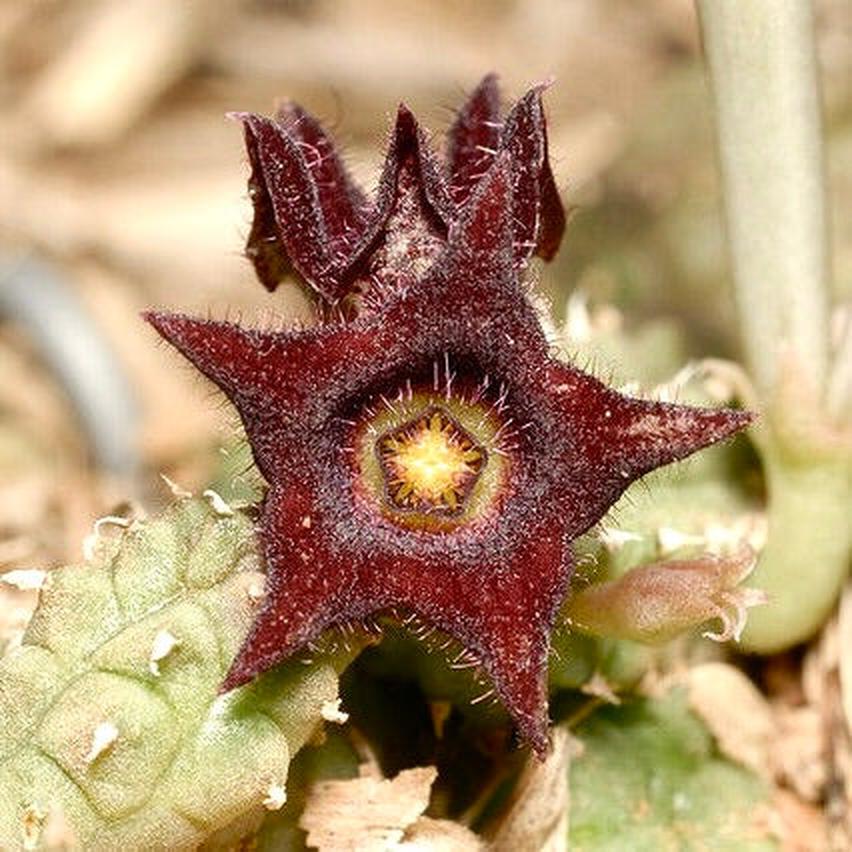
762, 65
840, 381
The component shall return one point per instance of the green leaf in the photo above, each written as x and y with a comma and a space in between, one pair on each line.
109, 714
650, 778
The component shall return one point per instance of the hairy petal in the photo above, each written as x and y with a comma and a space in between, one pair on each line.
552, 219
306, 589
236, 359
473, 139
289, 228
637, 435
538, 213
280, 383
616, 439
344, 206
412, 213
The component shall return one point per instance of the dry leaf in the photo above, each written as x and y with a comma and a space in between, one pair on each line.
440, 835
844, 639
799, 826
537, 816
735, 711
366, 814
799, 751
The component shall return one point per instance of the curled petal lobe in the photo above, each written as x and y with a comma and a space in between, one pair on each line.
552, 219
412, 212
473, 139
308, 212
538, 212
344, 206
289, 227
313, 222
265, 248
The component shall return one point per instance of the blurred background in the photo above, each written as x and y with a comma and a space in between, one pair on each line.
122, 186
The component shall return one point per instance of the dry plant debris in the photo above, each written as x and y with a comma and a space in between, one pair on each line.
371, 814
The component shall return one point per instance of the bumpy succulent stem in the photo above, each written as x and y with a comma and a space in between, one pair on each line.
762, 65
110, 723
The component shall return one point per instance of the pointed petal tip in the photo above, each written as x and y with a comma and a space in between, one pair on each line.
168, 323
209, 344
530, 99
286, 108
668, 432
546, 83
728, 421
234, 679
538, 738
240, 116
536, 90
405, 122
488, 86
296, 120
254, 659
696, 428
160, 320
742, 417
405, 132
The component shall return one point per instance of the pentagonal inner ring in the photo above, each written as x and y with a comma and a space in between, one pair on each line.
430, 463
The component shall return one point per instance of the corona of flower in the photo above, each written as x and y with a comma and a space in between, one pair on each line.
427, 455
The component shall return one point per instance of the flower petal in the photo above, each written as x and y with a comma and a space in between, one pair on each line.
412, 213
232, 357
617, 439
538, 213
473, 139
289, 230
344, 206
307, 589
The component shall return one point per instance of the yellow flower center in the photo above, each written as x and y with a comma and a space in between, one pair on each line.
431, 463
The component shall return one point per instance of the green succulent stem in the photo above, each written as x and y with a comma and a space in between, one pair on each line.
110, 718
805, 562
762, 65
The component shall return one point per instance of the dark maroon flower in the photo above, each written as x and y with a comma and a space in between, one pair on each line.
310, 219
432, 456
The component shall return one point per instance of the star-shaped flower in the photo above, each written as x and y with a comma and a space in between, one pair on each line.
433, 457
312, 220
